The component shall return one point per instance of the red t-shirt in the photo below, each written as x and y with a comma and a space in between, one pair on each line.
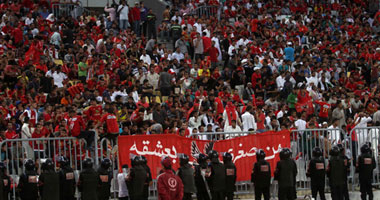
111, 122
75, 125
213, 52
324, 110
95, 113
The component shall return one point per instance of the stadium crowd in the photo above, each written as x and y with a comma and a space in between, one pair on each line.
247, 66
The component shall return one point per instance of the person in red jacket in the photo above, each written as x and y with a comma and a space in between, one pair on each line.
136, 18
169, 186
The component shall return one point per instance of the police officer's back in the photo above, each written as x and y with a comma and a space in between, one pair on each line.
105, 176
317, 172
365, 166
88, 181
216, 176
261, 176
286, 172
49, 181
5, 182
136, 179
149, 178
186, 173
66, 179
347, 165
336, 173
28, 185
200, 181
230, 175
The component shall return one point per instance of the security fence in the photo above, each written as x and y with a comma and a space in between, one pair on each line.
14, 152
68, 9
207, 11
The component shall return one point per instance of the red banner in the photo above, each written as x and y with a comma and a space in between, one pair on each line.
243, 149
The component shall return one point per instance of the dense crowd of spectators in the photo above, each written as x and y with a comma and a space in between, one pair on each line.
247, 65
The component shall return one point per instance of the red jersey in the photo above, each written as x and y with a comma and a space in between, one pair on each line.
111, 122
95, 113
76, 124
169, 186
11, 134
324, 110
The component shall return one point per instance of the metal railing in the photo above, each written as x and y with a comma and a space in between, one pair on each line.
68, 9
15, 151
207, 11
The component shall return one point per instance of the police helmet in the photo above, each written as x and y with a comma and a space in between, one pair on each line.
317, 152
137, 160
87, 163
106, 163
144, 160
214, 156
201, 158
63, 161
48, 164
227, 157
365, 148
285, 153
260, 154
183, 159
29, 164
334, 151
341, 148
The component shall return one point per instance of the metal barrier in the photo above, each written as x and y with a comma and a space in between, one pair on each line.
359, 136
207, 11
68, 9
15, 151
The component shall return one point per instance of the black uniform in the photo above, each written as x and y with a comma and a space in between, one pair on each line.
261, 175
186, 173
217, 180
49, 185
67, 183
286, 172
104, 191
88, 184
138, 177
365, 166
28, 185
336, 173
5, 185
151, 23
147, 182
347, 165
317, 172
200, 171
230, 179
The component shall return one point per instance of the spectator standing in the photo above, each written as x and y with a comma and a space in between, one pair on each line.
136, 19
112, 12
151, 24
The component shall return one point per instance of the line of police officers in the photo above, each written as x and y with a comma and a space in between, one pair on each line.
208, 178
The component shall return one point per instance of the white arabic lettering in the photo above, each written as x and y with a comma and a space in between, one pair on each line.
158, 151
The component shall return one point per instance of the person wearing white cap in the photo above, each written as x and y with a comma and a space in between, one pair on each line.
289, 52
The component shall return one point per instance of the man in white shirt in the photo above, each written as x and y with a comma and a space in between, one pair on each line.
121, 180
123, 11
55, 38
178, 55
248, 120
334, 132
59, 77
361, 119
145, 58
232, 128
26, 133
280, 81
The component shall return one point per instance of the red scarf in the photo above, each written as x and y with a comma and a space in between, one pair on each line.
231, 112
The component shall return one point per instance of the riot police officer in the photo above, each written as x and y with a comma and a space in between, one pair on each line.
365, 166
216, 176
28, 185
336, 173
186, 173
286, 172
317, 172
347, 164
149, 178
136, 179
49, 181
5, 182
104, 191
88, 181
230, 175
200, 181
66, 179
261, 175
